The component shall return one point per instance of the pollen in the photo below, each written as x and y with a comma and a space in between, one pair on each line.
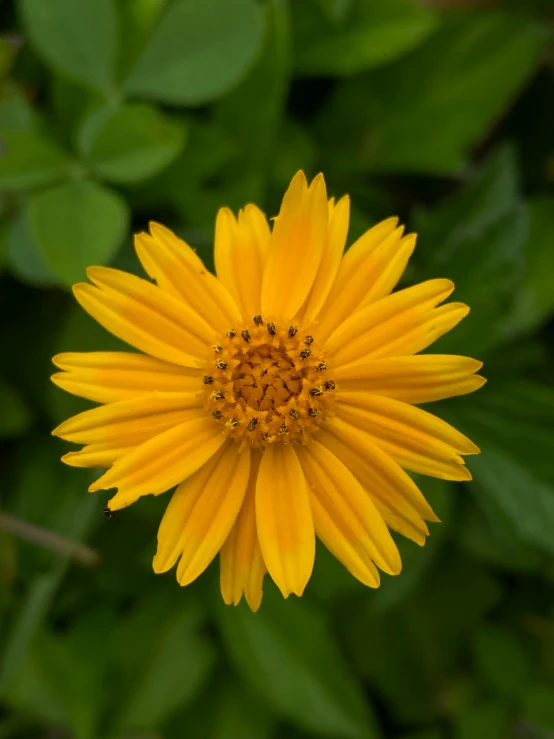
269, 383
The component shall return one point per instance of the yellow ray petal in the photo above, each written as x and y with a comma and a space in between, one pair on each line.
339, 218
240, 252
162, 462
107, 377
130, 422
417, 440
202, 512
422, 333
296, 247
96, 455
142, 315
242, 567
284, 519
375, 277
415, 379
180, 272
385, 322
345, 517
394, 493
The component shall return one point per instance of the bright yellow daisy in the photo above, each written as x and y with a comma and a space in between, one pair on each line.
279, 397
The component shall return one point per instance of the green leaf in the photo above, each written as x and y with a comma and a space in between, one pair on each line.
77, 38
77, 225
534, 302
373, 33
15, 111
503, 663
288, 656
198, 51
422, 115
253, 113
27, 160
23, 256
482, 722
539, 707
132, 143
180, 662
15, 416
477, 240
513, 426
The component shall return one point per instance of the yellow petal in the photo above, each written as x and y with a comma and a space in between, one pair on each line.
415, 439
415, 379
375, 276
142, 315
339, 217
296, 247
107, 377
242, 567
345, 517
180, 272
394, 493
386, 322
284, 519
96, 455
130, 422
163, 461
202, 512
240, 252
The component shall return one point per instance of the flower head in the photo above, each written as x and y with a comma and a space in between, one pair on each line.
279, 397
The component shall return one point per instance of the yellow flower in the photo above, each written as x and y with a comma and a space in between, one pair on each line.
278, 396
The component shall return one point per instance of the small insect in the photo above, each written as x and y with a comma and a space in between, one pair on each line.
221, 364
330, 385
217, 395
294, 414
231, 333
252, 424
293, 330
217, 348
316, 392
314, 412
217, 415
207, 380
245, 335
321, 366
109, 513
305, 353
271, 329
258, 321
283, 430
308, 340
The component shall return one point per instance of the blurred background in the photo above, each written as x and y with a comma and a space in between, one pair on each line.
114, 112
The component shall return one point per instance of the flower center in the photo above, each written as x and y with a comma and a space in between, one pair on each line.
268, 382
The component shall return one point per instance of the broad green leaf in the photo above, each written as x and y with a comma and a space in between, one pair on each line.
15, 112
77, 225
503, 663
288, 656
477, 240
539, 707
425, 115
75, 37
482, 721
24, 259
371, 34
198, 51
534, 302
15, 415
513, 426
172, 674
335, 10
28, 160
252, 114
132, 143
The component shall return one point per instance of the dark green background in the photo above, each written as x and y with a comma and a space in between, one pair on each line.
114, 112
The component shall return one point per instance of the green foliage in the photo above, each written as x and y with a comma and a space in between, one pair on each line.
117, 112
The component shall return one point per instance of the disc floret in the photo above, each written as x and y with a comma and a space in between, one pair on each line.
268, 381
